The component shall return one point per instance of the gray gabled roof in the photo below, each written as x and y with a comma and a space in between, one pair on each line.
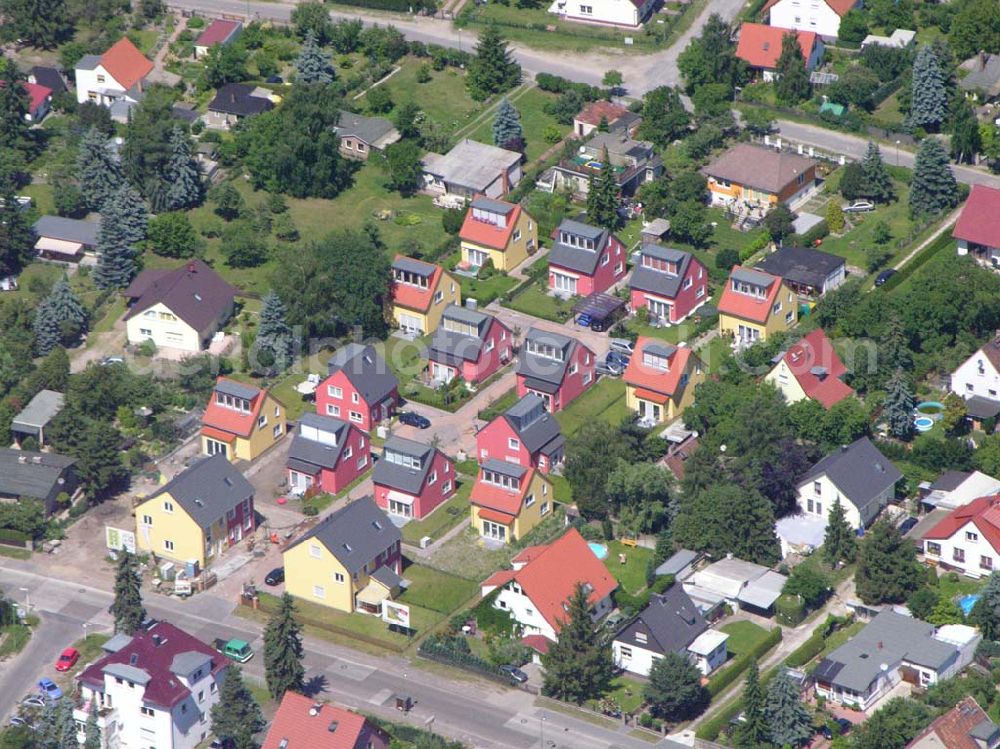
355, 534
670, 622
239, 99
67, 229
88, 62
803, 265
401, 477
40, 410
748, 275
207, 489
676, 563
128, 673
859, 471
540, 369
535, 427
414, 266
576, 258
451, 347
366, 129
184, 664
504, 468
660, 282
305, 454
493, 206
366, 370
387, 577
237, 389
30, 474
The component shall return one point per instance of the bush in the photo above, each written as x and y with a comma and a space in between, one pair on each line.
196, 22
806, 651
820, 231
790, 610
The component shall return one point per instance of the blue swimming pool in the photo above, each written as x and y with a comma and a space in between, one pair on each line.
600, 550
967, 602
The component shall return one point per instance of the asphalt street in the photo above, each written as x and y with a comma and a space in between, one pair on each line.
481, 714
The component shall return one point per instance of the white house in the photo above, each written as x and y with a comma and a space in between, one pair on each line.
740, 584
861, 477
957, 488
976, 231
967, 539
180, 309
977, 379
671, 623
119, 75
890, 649
820, 16
155, 688
535, 592
627, 13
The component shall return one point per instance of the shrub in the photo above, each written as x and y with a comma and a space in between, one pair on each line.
790, 610
806, 651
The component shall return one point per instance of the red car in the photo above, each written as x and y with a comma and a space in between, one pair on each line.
67, 659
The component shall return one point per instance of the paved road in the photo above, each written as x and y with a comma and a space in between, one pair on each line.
641, 72
481, 714
854, 146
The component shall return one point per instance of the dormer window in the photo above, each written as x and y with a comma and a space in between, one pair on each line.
655, 361
232, 402
659, 264
402, 459
539, 348
489, 217
409, 278
502, 480
461, 327
575, 240
749, 289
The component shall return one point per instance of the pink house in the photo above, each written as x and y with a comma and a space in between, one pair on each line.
360, 387
412, 479
468, 344
326, 454
584, 259
525, 434
554, 367
669, 284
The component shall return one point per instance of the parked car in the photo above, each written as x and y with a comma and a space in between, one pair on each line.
49, 689
613, 365
859, 206
618, 359
624, 345
907, 525
414, 420
17, 720
603, 369
837, 727
67, 659
585, 320
109, 360
237, 650
515, 674
884, 276
275, 576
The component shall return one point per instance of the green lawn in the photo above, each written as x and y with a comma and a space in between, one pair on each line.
485, 290
534, 120
959, 585
632, 574
744, 636
42, 196
443, 519
839, 637
436, 590
284, 391
13, 638
496, 407
626, 692
536, 302
604, 401
323, 500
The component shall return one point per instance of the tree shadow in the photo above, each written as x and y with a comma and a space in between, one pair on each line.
314, 685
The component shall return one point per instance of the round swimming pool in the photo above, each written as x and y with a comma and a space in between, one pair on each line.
930, 408
600, 550
923, 423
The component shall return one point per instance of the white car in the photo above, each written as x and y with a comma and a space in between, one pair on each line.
624, 345
860, 206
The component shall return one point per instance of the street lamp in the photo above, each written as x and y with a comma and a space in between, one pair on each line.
897, 153
27, 598
85, 632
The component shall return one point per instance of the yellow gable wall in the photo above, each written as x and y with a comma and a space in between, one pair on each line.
783, 379
311, 574
262, 437
529, 516
170, 524
516, 251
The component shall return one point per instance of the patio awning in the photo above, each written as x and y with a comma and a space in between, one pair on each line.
598, 306
58, 246
495, 516
651, 395
396, 496
217, 434
373, 594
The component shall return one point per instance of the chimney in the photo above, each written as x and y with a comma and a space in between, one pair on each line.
191, 267
156, 640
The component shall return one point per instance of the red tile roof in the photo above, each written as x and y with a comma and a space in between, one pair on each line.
305, 724
528, 553
499, 499
978, 221
953, 729
498, 578
126, 64
549, 579
504, 518
229, 419
984, 513
593, 112
538, 643
749, 307
414, 297
155, 657
37, 95
654, 381
760, 45
218, 434
216, 32
816, 350
489, 235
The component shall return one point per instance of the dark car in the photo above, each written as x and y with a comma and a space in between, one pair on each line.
884, 276
617, 359
836, 727
515, 674
907, 525
414, 420
275, 576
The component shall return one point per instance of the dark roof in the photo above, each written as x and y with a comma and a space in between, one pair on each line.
194, 292
207, 489
237, 389
546, 373
366, 129
238, 99
504, 467
387, 577
414, 266
404, 478
760, 167
950, 480
803, 265
859, 470
983, 75
599, 306
306, 453
670, 622
536, 427
67, 229
355, 534
366, 370
40, 410
501, 207
48, 77
750, 276
452, 347
153, 657
578, 258
980, 407
660, 282
37, 476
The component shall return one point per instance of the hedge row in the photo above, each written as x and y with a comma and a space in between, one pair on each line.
15, 536
741, 663
403, 6
916, 263
816, 642
556, 84
436, 652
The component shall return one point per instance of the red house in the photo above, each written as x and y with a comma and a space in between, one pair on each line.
554, 367
669, 284
327, 454
468, 344
412, 479
303, 723
359, 388
812, 369
525, 434
584, 260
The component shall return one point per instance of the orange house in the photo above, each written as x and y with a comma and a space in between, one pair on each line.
758, 176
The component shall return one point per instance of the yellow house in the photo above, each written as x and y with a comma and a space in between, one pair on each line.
660, 380
755, 304
509, 500
197, 515
420, 294
241, 421
498, 231
349, 561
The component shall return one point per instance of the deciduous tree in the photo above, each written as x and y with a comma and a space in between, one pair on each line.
726, 518
172, 235
402, 166
313, 18
664, 118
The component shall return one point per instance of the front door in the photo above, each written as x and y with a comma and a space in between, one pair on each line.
650, 411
